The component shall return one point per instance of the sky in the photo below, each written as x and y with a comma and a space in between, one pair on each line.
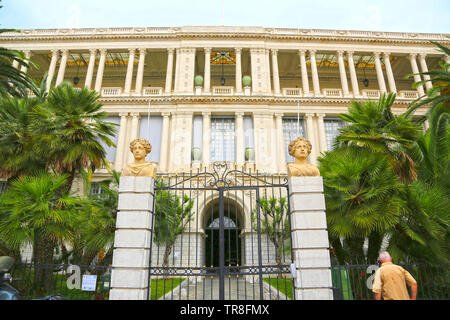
431, 16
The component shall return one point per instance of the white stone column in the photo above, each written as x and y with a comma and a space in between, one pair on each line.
281, 156
353, 77
342, 73
265, 144
62, 67
314, 73
311, 136
90, 70
207, 75
322, 134
424, 67
206, 145
129, 76
169, 71
164, 153
140, 72
379, 70
260, 71
415, 71
132, 250
121, 147
100, 70
134, 132
276, 75
28, 54
181, 141
52, 68
310, 244
305, 81
240, 150
389, 73
238, 70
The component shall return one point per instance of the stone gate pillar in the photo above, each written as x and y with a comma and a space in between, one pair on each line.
310, 244
131, 256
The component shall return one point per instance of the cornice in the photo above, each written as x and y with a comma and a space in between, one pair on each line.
245, 33
249, 100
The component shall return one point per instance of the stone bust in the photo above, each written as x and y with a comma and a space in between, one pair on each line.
140, 148
300, 149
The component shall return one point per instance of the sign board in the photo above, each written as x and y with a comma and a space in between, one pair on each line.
89, 282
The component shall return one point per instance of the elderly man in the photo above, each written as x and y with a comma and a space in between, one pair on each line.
390, 281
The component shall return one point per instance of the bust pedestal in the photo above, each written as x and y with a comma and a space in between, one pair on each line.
310, 244
131, 255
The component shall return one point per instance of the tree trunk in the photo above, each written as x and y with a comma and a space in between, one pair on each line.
167, 252
375, 240
43, 258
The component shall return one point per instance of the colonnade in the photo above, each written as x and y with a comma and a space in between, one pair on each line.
265, 79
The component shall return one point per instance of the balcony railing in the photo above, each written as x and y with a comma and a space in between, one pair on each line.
111, 92
332, 93
371, 94
286, 92
152, 91
289, 92
408, 94
223, 91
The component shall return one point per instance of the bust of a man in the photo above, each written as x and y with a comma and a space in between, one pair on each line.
140, 148
300, 149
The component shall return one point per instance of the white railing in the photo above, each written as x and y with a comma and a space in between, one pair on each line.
331, 92
408, 94
223, 91
152, 91
369, 93
111, 91
292, 92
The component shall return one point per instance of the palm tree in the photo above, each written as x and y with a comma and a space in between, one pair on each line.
373, 126
73, 129
97, 220
19, 129
440, 91
172, 215
13, 81
274, 222
362, 196
33, 212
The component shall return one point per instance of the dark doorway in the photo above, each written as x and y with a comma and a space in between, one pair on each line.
232, 242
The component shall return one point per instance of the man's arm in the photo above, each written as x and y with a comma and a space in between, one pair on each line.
412, 284
413, 291
376, 286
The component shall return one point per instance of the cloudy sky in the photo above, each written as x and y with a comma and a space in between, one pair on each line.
376, 15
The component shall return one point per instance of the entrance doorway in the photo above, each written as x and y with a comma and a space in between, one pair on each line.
232, 241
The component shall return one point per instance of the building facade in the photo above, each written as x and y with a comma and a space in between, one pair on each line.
239, 94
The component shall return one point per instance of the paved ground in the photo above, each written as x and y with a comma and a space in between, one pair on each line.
208, 289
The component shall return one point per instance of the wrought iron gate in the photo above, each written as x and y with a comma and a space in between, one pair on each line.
223, 234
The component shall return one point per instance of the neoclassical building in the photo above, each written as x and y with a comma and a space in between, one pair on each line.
204, 94
237, 94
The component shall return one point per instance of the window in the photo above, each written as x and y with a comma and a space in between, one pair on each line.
110, 150
291, 131
222, 139
332, 127
152, 131
3, 186
96, 188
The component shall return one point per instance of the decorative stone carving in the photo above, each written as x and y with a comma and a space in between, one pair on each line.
300, 149
140, 148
